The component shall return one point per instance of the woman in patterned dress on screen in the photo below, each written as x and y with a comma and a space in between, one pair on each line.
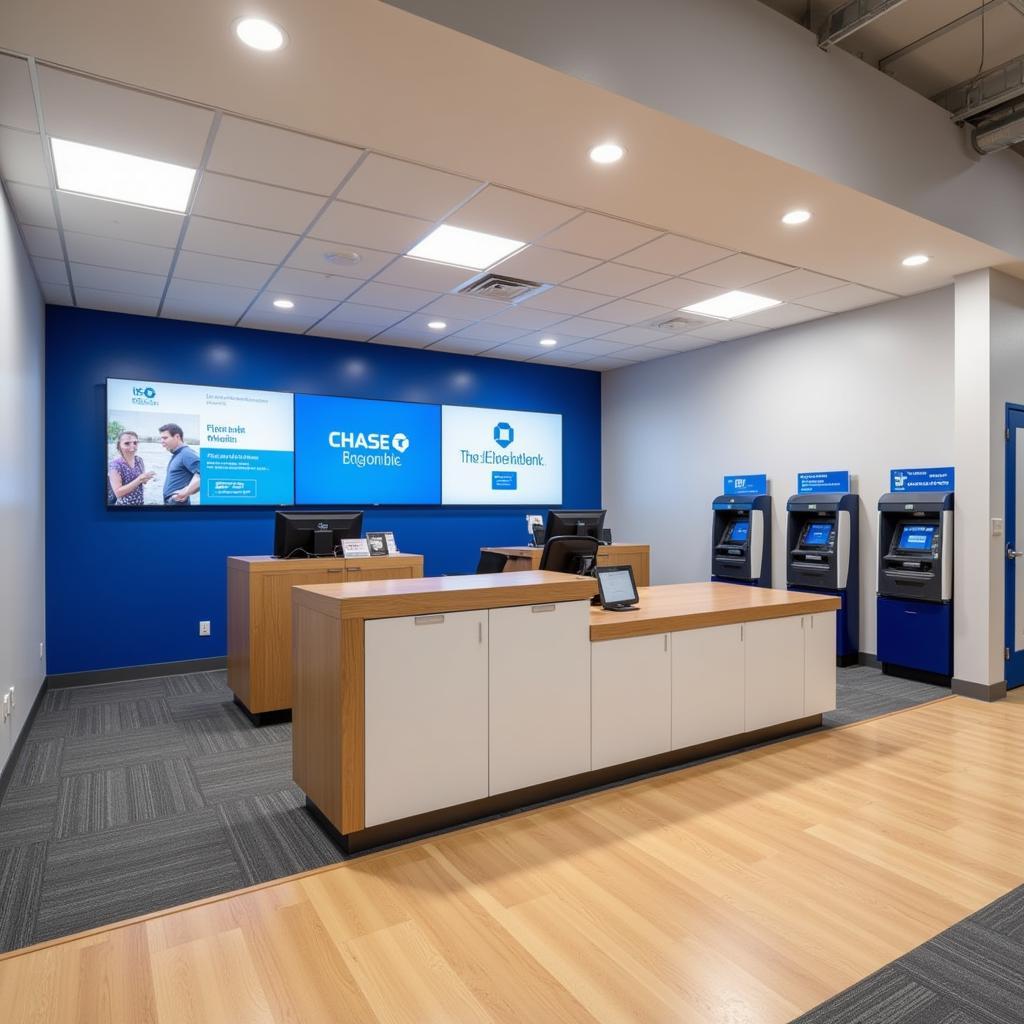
126, 472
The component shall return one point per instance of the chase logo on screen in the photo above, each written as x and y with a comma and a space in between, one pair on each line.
504, 435
143, 396
349, 440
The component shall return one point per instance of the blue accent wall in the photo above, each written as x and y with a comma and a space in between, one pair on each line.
129, 587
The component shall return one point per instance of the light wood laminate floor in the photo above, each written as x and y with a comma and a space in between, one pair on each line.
743, 890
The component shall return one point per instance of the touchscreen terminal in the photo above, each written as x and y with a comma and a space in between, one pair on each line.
740, 532
817, 534
617, 586
916, 538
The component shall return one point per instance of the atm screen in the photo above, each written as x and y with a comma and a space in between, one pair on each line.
739, 532
817, 534
916, 538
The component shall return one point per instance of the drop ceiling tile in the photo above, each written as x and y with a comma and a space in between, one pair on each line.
492, 334
726, 331
565, 300
200, 266
395, 337
390, 296
346, 223
508, 214
406, 188
342, 331
117, 302
100, 114
211, 298
796, 285
597, 347
635, 336
306, 308
32, 205
605, 363
564, 357
783, 316
604, 238
436, 277
518, 352
111, 280
641, 354
417, 324
21, 158
174, 309
17, 106
218, 238
279, 157
678, 293
311, 255
460, 344
43, 242
584, 327
628, 311
680, 343
673, 254
737, 271
278, 324
368, 316
528, 319
119, 220
57, 294
849, 296
50, 271
117, 253
548, 266
469, 307
615, 279
291, 282
534, 338
249, 202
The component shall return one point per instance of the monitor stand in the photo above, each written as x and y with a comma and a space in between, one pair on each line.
322, 543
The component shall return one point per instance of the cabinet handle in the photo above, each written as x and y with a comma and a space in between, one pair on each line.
741, 632
337, 570
666, 641
428, 620
542, 608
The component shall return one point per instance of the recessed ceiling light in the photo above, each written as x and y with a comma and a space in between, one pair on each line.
607, 153
107, 174
731, 305
461, 247
437, 325
797, 217
284, 303
548, 342
260, 34
917, 260
346, 256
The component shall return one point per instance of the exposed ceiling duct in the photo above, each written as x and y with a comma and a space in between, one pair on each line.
996, 133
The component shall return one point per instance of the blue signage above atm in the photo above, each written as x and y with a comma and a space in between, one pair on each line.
930, 478
752, 483
835, 481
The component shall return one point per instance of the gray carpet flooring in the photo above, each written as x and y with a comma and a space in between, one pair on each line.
131, 797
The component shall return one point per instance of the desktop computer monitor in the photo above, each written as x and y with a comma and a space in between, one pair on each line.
564, 522
314, 534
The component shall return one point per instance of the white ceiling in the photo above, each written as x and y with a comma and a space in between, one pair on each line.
272, 204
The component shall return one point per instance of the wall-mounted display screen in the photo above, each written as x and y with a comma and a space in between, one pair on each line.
818, 534
739, 532
500, 457
916, 538
186, 444
354, 451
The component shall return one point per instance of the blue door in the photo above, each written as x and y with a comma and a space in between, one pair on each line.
1014, 629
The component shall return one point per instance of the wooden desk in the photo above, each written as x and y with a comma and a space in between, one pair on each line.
636, 555
260, 617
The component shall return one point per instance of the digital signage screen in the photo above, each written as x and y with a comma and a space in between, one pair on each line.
187, 444
355, 451
500, 457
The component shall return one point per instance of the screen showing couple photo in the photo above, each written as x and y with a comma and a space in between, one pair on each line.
184, 444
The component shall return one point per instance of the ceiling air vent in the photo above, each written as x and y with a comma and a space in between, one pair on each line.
678, 323
500, 288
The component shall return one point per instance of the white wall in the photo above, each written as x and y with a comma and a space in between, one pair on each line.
831, 394
21, 479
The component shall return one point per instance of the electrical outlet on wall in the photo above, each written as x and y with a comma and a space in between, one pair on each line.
42, 650
204, 627
7, 706
10, 693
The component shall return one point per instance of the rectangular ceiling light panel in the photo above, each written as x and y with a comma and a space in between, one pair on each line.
107, 174
731, 305
461, 247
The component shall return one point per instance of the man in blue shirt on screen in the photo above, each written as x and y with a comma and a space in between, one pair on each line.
182, 479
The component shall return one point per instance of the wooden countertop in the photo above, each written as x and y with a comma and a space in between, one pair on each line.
268, 563
527, 550
680, 606
384, 599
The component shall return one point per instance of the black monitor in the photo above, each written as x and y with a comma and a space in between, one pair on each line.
564, 522
314, 534
576, 555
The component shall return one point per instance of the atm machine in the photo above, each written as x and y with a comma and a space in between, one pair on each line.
741, 540
915, 585
821, 538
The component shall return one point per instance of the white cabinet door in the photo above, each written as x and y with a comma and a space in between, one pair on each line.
819, 663
707, 685
631, 697
426, 713
774, 659
540, 693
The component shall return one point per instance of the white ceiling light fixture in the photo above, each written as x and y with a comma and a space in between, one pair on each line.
796, 217
260, 34
731, 305
460, 247
284, 303
122, 177
917, 260
437, 325
549, 342
607, 153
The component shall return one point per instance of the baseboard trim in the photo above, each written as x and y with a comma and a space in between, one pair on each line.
868, 660
7, 773
118, 675
979, 691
